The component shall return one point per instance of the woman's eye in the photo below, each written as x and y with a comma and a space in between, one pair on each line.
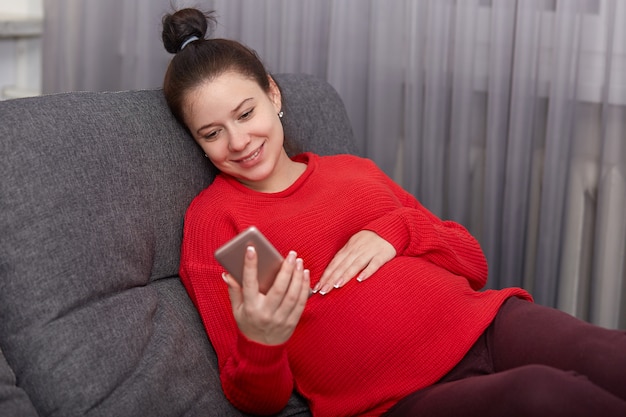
246, 115
211, 135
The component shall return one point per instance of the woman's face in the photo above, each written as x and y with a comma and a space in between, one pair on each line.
236, 123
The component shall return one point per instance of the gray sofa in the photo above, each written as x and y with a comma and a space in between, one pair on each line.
93, 318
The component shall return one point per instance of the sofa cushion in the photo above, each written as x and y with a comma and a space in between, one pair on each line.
93, 191
13, 400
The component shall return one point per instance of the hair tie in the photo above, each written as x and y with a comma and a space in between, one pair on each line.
188, 41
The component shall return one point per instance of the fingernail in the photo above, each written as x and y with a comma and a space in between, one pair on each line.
292, 256
317, 287
250, 251
224, 277
338, 284
360, 278
299, 264
325, 290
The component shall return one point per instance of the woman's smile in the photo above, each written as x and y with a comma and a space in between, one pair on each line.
252, 158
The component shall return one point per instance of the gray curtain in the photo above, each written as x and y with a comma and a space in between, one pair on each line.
505, 115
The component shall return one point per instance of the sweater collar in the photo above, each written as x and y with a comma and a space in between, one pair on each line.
308, 158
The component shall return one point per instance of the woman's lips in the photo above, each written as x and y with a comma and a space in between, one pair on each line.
251, 157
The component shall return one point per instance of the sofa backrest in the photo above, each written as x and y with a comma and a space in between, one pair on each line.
93, 188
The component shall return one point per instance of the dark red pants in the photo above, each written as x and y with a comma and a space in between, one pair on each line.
531, 361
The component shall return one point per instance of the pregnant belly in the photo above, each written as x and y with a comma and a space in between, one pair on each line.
407, 322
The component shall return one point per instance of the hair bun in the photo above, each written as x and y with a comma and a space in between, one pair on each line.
183, 24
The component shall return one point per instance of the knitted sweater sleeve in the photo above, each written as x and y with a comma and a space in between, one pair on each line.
414, 231
255, 378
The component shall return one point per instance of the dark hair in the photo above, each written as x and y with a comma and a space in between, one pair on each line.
204, 59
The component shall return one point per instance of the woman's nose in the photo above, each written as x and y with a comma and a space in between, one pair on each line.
239, 139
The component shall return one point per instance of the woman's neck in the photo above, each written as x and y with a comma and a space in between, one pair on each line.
284, 175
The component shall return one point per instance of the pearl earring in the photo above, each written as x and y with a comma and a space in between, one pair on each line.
280, 114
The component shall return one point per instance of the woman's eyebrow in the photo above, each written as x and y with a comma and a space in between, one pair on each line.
236, 109
233, 111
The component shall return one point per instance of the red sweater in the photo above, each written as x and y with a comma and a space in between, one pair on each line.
360, 348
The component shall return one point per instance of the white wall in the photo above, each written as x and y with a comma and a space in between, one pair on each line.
21, 25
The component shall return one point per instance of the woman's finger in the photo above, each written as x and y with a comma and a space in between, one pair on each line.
303, 296
361, 257
295, 299
283, 279
234, 290
250, 281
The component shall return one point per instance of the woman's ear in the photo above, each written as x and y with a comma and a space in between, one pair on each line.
274, 94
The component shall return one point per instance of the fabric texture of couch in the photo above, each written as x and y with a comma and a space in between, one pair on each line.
93, 188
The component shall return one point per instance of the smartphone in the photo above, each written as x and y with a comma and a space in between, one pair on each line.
232, 253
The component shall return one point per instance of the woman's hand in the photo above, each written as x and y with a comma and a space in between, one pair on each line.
271, 318
364, 253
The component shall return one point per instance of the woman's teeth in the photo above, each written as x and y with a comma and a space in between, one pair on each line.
251, 157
